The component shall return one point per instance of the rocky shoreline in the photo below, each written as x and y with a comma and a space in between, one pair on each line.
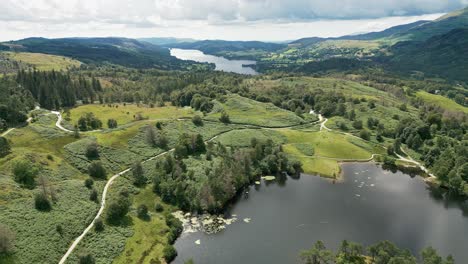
206, 223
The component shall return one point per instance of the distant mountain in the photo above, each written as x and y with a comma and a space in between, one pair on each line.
308, 41
400, 29
165, 41
120, 51
443, 55
442, 25
419, 30
215, 46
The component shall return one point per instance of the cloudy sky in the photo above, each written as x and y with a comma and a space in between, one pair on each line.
211, 19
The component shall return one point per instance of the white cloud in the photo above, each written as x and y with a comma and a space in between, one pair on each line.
224, 19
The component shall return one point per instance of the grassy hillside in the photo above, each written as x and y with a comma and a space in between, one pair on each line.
246, 111
446, 23
126, 113
121, 51
441, 101
442, 55
43, 62
321, 152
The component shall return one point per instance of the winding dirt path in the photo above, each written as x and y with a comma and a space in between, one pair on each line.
103, 201
322, 121
411, 160
13, 128
58, 124
408, 158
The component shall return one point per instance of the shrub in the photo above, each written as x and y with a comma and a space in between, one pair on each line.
139, 178
98, 225
7, 240
403, 107
389, 161
111, 123
93, 196
41, 202
4, 147
25, 173
379, 137
357, 124
3, 124
76, 132
59, 230
156, 138
364, 134
159, 208
86, 259
92, 151
225, 118
390, 150
169, 253
142, 211
117, 210
158, 125
197, 120
96, 170
89, 183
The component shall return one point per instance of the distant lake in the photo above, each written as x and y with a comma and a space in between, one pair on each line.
222, 64
368, 206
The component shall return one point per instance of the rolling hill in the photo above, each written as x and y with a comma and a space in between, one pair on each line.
120, 51
231, 49
442, 55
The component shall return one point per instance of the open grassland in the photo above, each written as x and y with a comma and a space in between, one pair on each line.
126, 113
321, 152
327, 144
246, 111
118, 138
349, 44
441, 101
349, 88
242, 138
44, 62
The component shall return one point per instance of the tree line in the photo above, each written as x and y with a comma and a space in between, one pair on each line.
383, 252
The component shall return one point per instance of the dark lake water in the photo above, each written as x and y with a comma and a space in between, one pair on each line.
222, 64
370, 205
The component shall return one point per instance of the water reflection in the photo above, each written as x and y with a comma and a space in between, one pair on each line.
369, 205
222, 64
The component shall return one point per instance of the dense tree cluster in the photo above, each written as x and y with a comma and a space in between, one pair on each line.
189, 144
381, 253
54, 90
441, 141
232, 170
89, 122
15, 102
156, 138
118, 209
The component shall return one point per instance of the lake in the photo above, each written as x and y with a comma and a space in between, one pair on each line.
222, 64
369, 205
